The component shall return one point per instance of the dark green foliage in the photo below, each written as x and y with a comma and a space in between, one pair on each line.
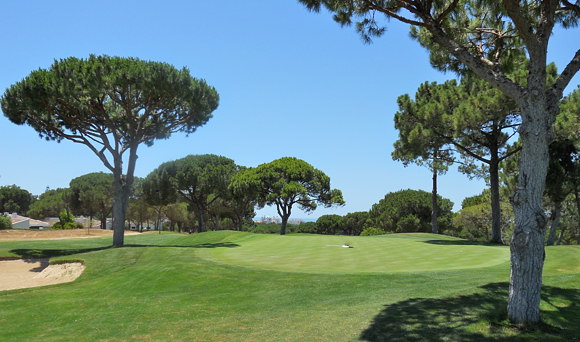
285, 182
569, 225
307, 227
50, 203
66, 220
370, 231
199, 180
330, 225
470, 123
408, 211
474, 222
563, 179
567, 123
111, 105
13, 199
237, 207
422, 133
482, 198
178, 216
354, 223
5, 222
139, 100
268, 228
92, 195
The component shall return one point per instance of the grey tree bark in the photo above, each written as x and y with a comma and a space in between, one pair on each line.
122, 189
527, 242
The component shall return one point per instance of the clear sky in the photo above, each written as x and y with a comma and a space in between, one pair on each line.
291, 83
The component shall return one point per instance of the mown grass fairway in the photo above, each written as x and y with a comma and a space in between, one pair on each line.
370, 254
173, 287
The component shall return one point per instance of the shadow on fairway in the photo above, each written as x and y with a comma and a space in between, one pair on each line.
201, 245
460, 243
449, 319
49, 253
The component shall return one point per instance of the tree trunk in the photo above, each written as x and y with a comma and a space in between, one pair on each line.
121, 191
284, 223
527, 242
495, 198
284, 210
555, 221
201, 220
577, 197
434, 205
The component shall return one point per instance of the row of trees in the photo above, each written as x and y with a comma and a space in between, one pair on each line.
210, 181
404, 211
205, 188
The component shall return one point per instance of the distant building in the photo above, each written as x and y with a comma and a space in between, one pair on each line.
266, 219
22, 222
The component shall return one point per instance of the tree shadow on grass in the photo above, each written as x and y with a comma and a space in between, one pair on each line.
39, 253
462, 318
201, 245
461, 243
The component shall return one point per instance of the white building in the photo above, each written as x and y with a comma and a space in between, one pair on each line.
21, 222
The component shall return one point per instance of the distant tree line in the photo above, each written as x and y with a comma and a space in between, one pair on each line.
192, 194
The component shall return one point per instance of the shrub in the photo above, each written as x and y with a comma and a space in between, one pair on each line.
330, 224
66, 225
354, 223
409, 211
269, 228
474, 222
372, 231
409, 223
306, 227
5, 222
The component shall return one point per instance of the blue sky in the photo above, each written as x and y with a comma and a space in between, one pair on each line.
291, 83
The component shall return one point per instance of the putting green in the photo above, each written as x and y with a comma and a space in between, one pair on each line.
395, 253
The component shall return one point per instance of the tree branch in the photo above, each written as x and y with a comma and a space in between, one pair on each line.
447, 11
478, 65
522, 24
566, 76
389, 12
509, 154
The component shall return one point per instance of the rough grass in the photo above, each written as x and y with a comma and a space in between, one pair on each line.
191, 288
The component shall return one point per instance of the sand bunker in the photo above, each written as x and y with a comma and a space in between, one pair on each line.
36, 234
19, 274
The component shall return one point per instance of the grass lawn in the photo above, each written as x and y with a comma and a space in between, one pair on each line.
230, 286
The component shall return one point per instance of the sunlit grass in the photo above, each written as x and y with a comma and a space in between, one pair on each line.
169, 287
382, 254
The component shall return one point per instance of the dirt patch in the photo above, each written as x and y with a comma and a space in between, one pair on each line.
20, 274
37, 234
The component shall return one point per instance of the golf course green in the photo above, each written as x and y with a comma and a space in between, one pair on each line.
368, 254
233, 286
